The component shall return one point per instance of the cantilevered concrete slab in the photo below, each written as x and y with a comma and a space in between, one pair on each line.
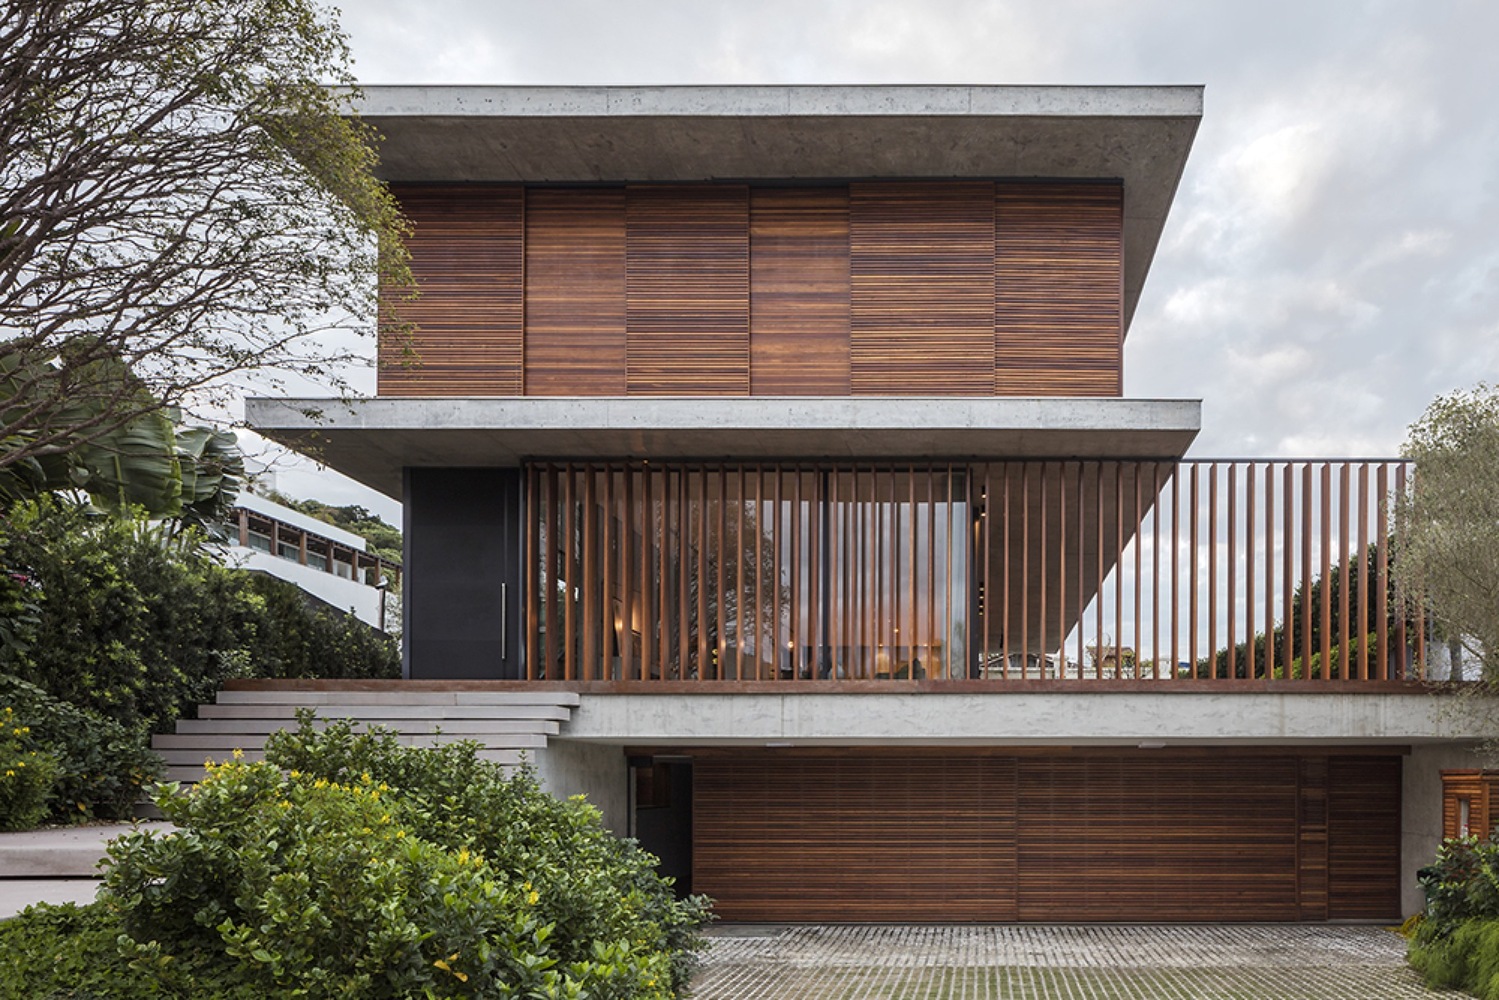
565, 135
372, 440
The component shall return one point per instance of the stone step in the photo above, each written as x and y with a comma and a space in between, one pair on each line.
435, 713
189, 773
450, 728
312, 699
254, 749
228, 734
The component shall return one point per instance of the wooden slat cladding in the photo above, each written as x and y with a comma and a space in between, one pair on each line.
687, 290
467, 258
799, 292
575, 292
851, 839
1363, 838
861, 835
921, 264
874, 288
1059, 296
1158, 839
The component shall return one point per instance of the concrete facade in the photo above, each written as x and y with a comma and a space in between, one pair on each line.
569, 767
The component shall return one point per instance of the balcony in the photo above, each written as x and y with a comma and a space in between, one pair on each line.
1203, 574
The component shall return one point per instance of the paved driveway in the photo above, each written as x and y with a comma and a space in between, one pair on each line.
1058, 963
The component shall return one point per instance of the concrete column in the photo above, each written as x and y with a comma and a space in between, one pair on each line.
595, 770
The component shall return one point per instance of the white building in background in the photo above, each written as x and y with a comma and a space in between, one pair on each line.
325, 561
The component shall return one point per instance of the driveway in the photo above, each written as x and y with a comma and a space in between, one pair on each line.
1255, 962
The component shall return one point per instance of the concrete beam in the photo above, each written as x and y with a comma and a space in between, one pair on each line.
372, 440
1011, 718
549, 135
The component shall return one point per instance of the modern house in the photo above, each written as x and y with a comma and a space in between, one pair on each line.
328, 563
773, 439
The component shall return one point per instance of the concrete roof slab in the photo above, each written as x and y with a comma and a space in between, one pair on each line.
372, 440
560, 135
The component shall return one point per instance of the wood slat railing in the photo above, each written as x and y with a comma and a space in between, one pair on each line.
1061, 571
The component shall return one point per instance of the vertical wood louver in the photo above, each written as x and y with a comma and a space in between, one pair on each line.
468, 261
575, 292
1059, 297
921, 266
799, 297
687, 290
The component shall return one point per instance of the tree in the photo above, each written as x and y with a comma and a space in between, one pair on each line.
181, 198
1448, 539
190, 474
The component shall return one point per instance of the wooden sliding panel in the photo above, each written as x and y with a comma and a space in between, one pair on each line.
799, 297
1059, 293
851, 837
921, 260
467, 259
687, 290
575, 292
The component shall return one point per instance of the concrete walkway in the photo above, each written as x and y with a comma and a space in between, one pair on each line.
56, 865
1257, 962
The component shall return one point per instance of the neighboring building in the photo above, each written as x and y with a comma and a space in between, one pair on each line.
781, 427
324, 560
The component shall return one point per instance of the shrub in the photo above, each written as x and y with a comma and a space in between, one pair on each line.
1457, 944
72, 952
102, 767
123, 618
366, 868
26, 775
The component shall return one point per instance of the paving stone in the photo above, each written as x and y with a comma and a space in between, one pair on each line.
1033, 962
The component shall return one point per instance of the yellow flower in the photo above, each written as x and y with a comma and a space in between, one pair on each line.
239, 754
442, 963
534, 897
463, 856
295, 773
10, 773
400, 834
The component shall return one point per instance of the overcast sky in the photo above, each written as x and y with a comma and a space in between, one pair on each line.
1331, 262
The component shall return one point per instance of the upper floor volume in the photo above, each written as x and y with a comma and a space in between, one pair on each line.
776, 241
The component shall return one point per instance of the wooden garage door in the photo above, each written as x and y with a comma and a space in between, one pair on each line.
1123, 836
782, 837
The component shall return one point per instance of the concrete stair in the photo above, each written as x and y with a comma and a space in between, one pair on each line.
506, 724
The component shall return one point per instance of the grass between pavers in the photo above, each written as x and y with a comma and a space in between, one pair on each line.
1039, 983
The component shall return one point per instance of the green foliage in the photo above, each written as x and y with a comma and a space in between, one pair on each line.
1457, 944
26, 775
145, 461
102, 767
186, 193
369, 869
1449, 544
383, 540
140, 625
303, 639
1467, 958
1311, 629
72, 952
